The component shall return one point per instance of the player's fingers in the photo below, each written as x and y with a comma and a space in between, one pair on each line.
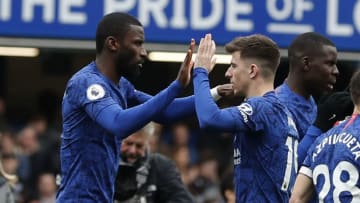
213, 47
192, 44
207, 43
201, 46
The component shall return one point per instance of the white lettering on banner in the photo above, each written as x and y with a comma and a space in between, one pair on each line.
300, 7
118, 5
178, 20
333, 26
48, 8
156, 9
279, 14
297, 7
356, 15
233, 9
5, 10
66, 16
284, 16
200, 22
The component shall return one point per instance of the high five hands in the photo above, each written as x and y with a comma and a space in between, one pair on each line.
184, 74
205, 57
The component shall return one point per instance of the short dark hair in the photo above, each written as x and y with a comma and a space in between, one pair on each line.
308, 43
355, 88
258, 47
114, 24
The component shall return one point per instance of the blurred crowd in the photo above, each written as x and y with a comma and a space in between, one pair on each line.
31, 152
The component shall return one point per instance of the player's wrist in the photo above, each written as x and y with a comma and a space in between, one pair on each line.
215, 94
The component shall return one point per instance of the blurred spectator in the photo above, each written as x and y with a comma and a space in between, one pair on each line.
206, 187
7, 181
228, 188
46, 188
7, 143
34, 160
49, 140
182, 137
28, 141
148, 177
182, 160
3, 121
154, 131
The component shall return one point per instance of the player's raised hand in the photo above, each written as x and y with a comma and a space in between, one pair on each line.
205, 57
184, 74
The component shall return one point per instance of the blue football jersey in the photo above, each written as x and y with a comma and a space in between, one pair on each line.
96, 117
265, 158
333, 163
302, 110
265, 142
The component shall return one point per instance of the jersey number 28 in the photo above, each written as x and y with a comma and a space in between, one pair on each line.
340, 185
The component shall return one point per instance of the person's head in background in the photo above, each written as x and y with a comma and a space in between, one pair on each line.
8, 143
355, 90
9, 164
119, 45
28, 140
180, 133
47, 187
312, 65
136, 146
155, 130
254, 62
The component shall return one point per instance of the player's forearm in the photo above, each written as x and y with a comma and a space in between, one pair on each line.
311, 134
208, 113
182, 108
125, 122
178, 109
303, 189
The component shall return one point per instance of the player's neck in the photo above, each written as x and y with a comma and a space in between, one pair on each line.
356, 109
296, 84
258, 89
107, 69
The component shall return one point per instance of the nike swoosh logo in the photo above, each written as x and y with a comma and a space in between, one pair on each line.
332, 117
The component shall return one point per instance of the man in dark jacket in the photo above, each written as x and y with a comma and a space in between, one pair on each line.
146, 177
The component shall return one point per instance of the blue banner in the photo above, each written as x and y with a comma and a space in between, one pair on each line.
176, 21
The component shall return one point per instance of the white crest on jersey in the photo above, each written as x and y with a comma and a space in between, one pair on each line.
245, 110
95, 91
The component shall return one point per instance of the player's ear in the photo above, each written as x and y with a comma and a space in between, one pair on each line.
306, 63
112, 43
253, 71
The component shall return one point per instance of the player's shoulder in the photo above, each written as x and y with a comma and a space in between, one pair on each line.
256, 103
124, 83
283, 90
86, 77
88, 72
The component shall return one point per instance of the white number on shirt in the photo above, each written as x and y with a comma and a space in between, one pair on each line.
340, 185
292, 145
